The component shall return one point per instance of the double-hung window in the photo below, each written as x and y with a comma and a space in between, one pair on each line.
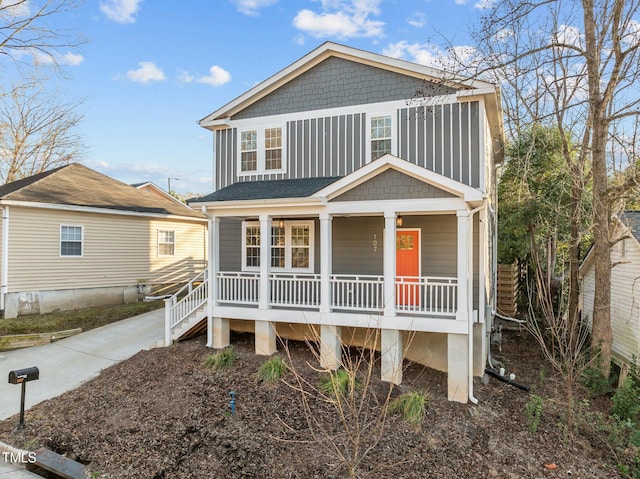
381, 129
291, 246
166, 242
261, 150
70, 240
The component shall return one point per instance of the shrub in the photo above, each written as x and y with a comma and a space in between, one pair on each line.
339, 383
272, 369
219, 360
533, 412
626, 399
412, 406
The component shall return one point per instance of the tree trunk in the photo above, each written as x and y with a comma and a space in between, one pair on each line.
602, 334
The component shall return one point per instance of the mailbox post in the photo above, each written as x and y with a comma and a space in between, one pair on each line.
23, 376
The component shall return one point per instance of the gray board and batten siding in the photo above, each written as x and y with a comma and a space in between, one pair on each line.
442, 138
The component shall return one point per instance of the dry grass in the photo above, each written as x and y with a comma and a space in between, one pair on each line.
84, 318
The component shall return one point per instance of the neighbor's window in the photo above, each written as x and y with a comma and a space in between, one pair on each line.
291, 246
166, 243
261, 150
380, 136
70, 240
249, 150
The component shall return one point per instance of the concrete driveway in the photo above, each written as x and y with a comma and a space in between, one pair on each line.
67, 363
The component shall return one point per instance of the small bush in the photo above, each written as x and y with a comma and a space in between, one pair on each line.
272, 370
339, 383
626, 401
412, 406
220, 360
533, 412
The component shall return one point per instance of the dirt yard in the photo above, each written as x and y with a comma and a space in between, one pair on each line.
163, 415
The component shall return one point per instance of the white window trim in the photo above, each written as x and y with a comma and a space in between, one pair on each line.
394, 132
287, 246
261, 156
81, 242
158, 243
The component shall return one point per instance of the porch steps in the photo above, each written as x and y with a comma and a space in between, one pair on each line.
191, 326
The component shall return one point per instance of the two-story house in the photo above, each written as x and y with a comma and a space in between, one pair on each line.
342, 203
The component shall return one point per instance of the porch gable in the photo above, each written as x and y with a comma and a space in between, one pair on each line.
392, 184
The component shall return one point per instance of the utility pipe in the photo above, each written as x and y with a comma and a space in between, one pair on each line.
472, 398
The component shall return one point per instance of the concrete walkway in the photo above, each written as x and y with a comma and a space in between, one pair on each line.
66, 364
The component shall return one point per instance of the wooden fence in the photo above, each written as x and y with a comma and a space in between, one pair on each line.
508, 288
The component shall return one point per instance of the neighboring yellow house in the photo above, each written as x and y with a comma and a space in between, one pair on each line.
75, 238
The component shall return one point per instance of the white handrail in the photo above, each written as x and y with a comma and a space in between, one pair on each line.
301, 290
177, 310
435, 295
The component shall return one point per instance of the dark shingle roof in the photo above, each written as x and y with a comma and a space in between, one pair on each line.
632, 220
269, 189
77, 185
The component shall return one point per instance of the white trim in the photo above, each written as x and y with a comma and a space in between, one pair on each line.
161, 191
324, 51
81, 255
173, 243
261, 150
288, 224
4, 259
389, 161
89, 209
394, 132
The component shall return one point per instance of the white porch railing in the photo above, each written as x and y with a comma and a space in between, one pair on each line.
357, 292
186, 301
427, 294
238, 288
297, 290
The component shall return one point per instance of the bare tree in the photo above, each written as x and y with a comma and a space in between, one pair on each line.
575, 65
38, 131
25, 30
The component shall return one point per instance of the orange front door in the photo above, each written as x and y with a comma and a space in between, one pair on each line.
407, 267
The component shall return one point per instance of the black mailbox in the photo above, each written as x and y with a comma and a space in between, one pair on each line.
24, 375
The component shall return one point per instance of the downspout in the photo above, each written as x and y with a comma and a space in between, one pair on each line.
4, 274
472, 398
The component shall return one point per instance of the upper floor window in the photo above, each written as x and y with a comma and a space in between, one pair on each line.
70, 240
261, 150
381, 131
166, 243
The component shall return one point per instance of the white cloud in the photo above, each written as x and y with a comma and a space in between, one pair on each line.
423, 54
461, 2
484, 4
147, 72
185, 77
252, 7
418, 20
568, 35
342, 19
16, 8
218, 76
121, 11
72, 59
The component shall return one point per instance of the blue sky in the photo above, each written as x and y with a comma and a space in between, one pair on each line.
150, 69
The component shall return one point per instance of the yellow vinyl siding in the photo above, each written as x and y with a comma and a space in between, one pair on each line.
117, 250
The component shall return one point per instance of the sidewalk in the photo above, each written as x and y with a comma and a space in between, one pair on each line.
66, 364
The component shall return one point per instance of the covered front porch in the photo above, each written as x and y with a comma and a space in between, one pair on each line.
342, 257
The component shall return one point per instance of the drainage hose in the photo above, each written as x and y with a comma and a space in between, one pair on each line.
504, 379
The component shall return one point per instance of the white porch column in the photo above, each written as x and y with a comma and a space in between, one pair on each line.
463, 265
330, 346
265, 331
218, 334
325, 262
392, 354
458, 367
265, 260
389, 263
